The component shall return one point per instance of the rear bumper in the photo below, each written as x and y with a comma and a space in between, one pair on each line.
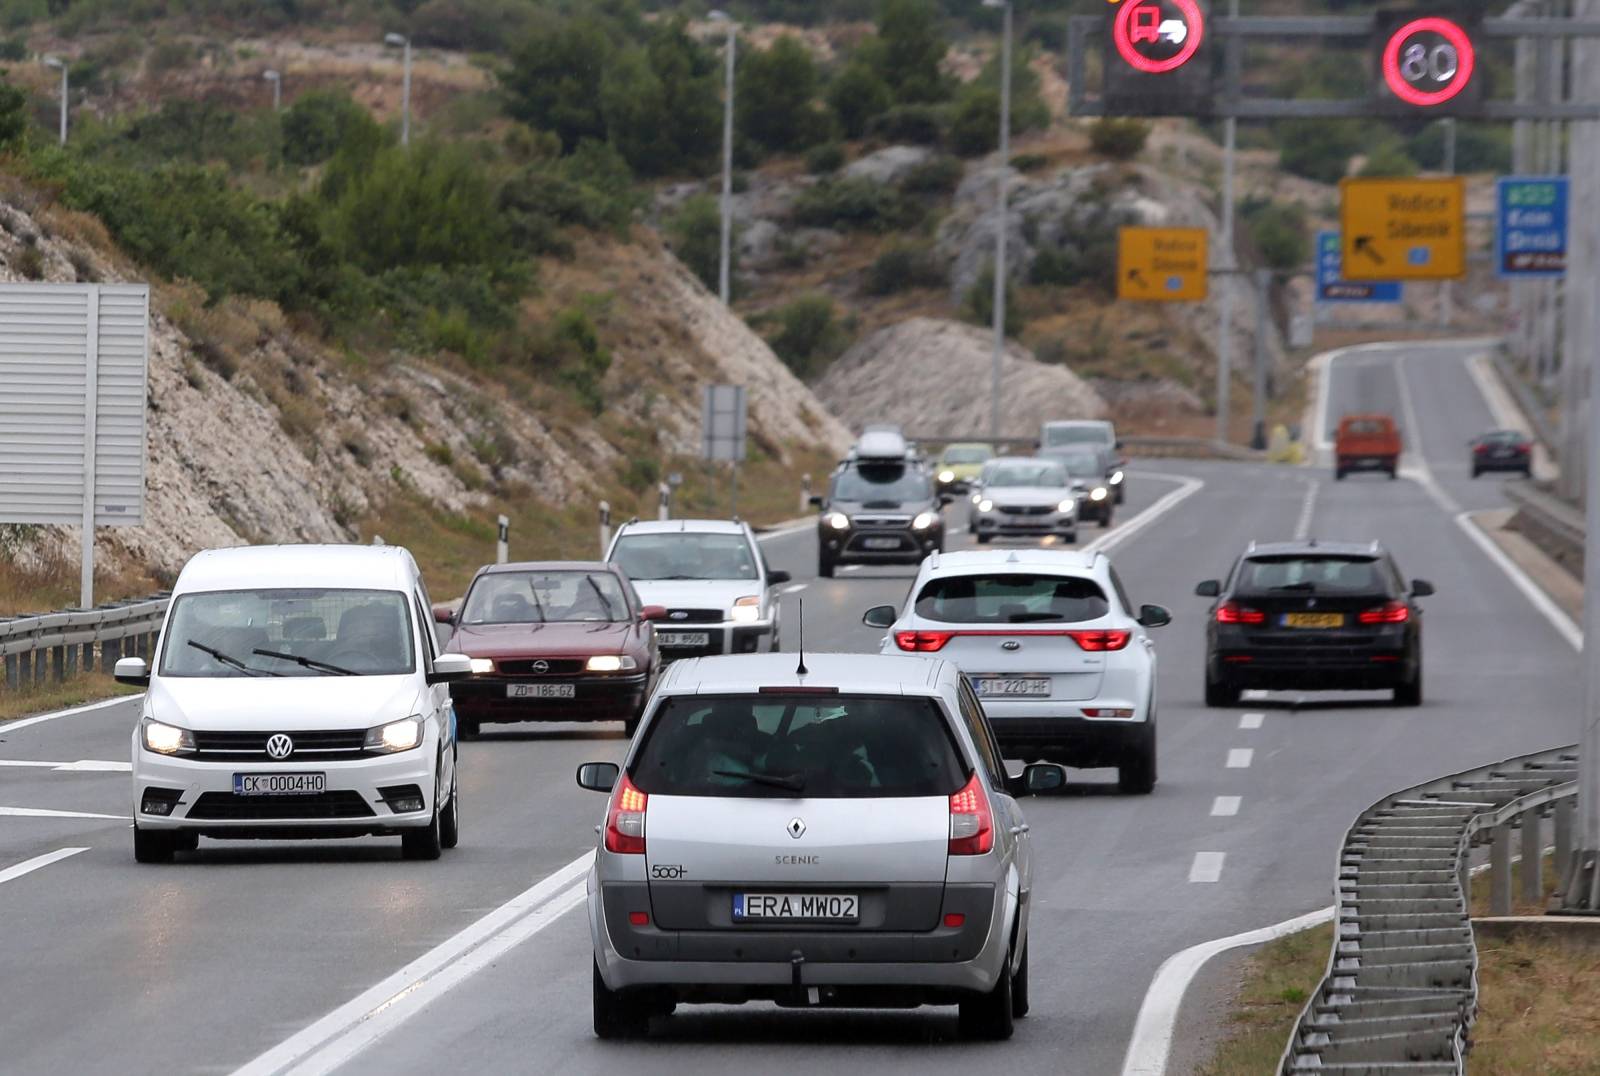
1514, 463
1364, 669
595, 698
1367, 463
1072, 741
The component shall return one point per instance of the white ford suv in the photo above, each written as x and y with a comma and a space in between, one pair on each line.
1053, 646
298, 692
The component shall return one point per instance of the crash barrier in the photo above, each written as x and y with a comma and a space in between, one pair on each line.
59, 645
1536, 412
1549, 522
1401, 990
1202, 447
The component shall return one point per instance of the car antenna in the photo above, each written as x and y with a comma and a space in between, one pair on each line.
800, 633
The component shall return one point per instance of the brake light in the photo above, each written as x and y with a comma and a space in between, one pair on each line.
625, 818
1480, 449
1388, 613
922, 642
1234, 613
1101, 639
971, 823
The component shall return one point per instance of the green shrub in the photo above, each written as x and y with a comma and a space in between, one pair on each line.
1278, 230
904, 266
975, 124
937, 175
1029, 162
169, 54
809, 336
554, 80
1119, 139
919, 124
694, 233
319, 122
858, 95
1479, 147
855, 205
14, 48
1389, 159
826, 158
978, 304
661, 103
1319, 149
572, 348
470, 25
777, 89
14, 119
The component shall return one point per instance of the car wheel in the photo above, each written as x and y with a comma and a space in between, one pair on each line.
1394, 473
467, 728
825, 568
1105, 520
616, 1015
186, 841
1019, 986
150, 846
1410, 692
424, 842
1070, 536
1121, 495
1527, 472
1221, 694
450, 821
1338, 474
1136, 776
989, 1016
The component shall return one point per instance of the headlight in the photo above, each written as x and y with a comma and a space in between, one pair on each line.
924, 520
986, 505
1098, 493
1116, 478
167, 739
400, 735
747, 610
1069, 505
976, 497
838, 521
604, 663
482, 665
947, 476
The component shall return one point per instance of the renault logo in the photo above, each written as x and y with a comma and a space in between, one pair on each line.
279, 746
1010, 644
797, 828
540, 667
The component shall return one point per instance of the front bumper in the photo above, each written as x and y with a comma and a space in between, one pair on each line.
860, 546
1019, 525
595, 698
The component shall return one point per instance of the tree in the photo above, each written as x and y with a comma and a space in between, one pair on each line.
695, 235
776, 99
13, 115
858, 94
913, 48
555, 77
1119, 139
318, 123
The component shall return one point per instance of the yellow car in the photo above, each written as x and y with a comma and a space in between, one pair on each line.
959, 465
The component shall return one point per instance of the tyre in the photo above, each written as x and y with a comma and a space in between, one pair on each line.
630, 726
467, 728
989, 1016
1476, 472
1527, 472
1070, 536
185, 841
1120, 496
1338, 474
150, 846
424, 842
1105, 520
984, 539
616, 1015
1136, 775
1410, 692
1019, 987
825, 568
1394, 473
1221, 694
450, 821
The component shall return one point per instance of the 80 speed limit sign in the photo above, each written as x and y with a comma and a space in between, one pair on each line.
1428, 61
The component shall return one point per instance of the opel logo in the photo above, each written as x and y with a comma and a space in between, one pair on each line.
540, 667
796, 828
1010, 644
279, 746
679, 614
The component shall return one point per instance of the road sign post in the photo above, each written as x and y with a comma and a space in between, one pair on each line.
1162, 264
1403, 229
1530, 235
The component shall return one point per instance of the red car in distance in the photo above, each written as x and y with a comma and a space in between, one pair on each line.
552, 641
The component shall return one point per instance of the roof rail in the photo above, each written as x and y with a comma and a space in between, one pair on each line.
1251, 548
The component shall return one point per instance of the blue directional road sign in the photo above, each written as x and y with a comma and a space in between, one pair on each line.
1333, 288
1530, 235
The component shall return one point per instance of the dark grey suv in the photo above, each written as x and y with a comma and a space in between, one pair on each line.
878, 511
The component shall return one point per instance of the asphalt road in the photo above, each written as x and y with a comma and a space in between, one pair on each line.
206, 964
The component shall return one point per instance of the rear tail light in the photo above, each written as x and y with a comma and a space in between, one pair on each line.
955, 919
639, 919
1388, 613
971, 823
625, 818
1101, 639
1234, 613
1480, 449
922, 642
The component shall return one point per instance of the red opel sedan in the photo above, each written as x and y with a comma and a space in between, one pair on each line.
552, 641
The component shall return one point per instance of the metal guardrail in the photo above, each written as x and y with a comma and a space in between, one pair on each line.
59, 645
1133, 445
1401, 991
1554, 525
1527, 402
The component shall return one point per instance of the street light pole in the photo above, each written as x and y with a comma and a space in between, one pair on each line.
277, 87
403, 42
725, 255
1002, 223
51, 61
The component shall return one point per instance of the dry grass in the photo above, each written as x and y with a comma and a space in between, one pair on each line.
1537, 1009
53, 584
53, 696
1278, 979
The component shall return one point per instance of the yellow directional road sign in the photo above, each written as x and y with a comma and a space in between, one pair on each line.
1403, 229
1161, 264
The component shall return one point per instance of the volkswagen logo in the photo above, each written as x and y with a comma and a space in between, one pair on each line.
1010, 644
540, 667
679, 614
279, 746
796, 828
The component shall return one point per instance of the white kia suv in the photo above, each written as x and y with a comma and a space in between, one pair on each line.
298, 692
1053, 646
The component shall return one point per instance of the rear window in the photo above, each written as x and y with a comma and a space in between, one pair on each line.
1011, 599
787, 747
966, 455
1076, 435
1366, 426
1312, 574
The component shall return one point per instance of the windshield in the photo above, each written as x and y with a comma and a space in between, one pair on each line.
685, 555
1082, 465
779, 746
1076, 435
895, 483
545, 597
966, 455
1011, 599
1317, 574
289, 633
1042, 473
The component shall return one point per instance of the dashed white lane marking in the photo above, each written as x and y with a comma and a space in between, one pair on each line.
1308, 507
1251, 721
1225, 806
794, 588
1239, 757
83, 765
45, 812
1207, 866
28, 866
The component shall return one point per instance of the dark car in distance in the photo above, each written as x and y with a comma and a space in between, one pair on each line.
1314, 616
1502, 450
552, 641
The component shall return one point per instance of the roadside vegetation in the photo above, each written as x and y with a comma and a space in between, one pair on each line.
42, 698
1276, 982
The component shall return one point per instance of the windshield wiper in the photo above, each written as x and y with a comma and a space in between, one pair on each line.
605, 601
307, 663
228, 659
789, 782
1304, 586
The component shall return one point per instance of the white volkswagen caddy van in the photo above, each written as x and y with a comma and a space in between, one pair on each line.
297, 692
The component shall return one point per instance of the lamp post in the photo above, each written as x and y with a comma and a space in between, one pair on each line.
1002, 184
724, 263
51, 61
277, 87
401, 41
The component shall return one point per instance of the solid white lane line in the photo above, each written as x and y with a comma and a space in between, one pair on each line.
1187, 487
15, 726
1251, 721
28, 866
1225, 806
1207, 866
44, 812
1302, 526
83, 765
429, 975
1557, 616
1239, 757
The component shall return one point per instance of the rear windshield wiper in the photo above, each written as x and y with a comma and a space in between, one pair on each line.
789, 782
228, 659
1302, 586
1027, 618
306, 663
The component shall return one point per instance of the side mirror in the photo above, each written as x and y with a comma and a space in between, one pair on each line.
777, 577
1154, 616
653, 612
1041, 777
880, 616
815, 500
1420, 588
448, 668
1117, 444
598, 776
132, 671
1208, 589
443, 614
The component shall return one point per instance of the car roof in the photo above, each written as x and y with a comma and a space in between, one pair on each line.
1078, 422
852, 674
551, 566
265, 567
1025, 559
1314, 546
679, 526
